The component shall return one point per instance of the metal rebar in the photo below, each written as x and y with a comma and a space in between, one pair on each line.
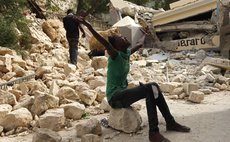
17, 81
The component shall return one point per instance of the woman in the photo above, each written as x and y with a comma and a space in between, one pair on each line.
119, 96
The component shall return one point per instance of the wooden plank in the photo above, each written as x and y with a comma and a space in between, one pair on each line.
185, 26
186, 11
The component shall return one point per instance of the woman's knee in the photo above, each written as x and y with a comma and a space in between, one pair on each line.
153, 84
116, 104
155, 88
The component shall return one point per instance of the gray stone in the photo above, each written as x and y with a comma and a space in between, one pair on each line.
46, 135
74, 110
125, 119
91, 138
91, 126
17, 118
53, 119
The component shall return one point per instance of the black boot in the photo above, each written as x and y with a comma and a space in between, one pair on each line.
157, 137
177, 127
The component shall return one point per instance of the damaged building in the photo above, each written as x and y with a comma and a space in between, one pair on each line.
188, 24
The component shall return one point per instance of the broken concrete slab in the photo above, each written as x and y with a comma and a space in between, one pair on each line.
183, 12
218, 62
129, 29
128, 8
159, 57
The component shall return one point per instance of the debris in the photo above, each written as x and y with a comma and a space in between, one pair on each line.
159, 57
128, 28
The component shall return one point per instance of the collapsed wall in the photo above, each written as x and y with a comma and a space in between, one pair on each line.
193, 24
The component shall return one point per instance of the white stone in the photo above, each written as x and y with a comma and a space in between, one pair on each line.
20, 62
7, 98
42, 70
99, 62
17, 118
100, 93
205, 91
169, 86
74, 110
46, 135
210, 68
91, 138
54, 88
91, 126
4, 110
44, 102
67, 93
96, 82
25, 101
53, 119
81, 86
69, 68
6, 63
177, 91
105, 105
9, 76
20, 72
88, 96
140, 63
4, 51
189, 87
196, 96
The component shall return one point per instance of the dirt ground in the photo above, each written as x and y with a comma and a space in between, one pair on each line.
209, 122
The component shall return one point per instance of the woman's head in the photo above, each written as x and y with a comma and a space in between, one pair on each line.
119, 42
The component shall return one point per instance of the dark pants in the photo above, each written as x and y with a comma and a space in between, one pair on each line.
73, 48
154, 97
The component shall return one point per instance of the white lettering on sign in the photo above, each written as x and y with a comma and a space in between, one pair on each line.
191, 42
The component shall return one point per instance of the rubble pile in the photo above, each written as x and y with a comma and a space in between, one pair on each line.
61, 92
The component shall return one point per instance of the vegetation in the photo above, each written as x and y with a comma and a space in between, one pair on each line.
14, 32
163, 3
85, 116
101, 4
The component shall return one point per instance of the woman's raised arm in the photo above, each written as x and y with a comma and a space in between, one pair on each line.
110, 49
